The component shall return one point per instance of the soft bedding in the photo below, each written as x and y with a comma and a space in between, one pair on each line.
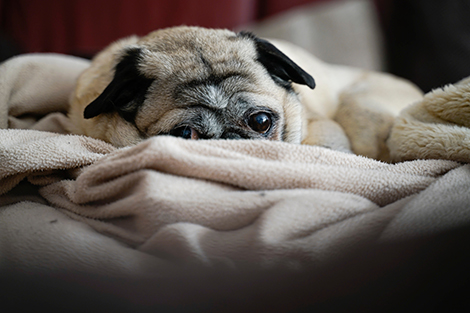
196, 223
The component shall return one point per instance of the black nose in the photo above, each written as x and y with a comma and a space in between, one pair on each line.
230, 135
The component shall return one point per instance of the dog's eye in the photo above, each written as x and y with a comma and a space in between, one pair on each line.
185, 132
260, 122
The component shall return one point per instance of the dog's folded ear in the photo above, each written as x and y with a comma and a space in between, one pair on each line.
125, 93
279, 65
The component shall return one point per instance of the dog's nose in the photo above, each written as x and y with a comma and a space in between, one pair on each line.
230, 135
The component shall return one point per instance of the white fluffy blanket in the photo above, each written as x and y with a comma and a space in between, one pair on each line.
78, 205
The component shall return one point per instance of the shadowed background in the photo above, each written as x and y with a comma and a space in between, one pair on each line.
427, 42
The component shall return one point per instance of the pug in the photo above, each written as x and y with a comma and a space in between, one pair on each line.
199, 83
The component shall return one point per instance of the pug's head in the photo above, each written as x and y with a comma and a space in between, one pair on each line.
189, 82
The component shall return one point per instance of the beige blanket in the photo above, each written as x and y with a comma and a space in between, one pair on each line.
71, 203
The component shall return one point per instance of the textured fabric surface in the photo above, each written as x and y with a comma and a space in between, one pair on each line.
436, 127
154, 211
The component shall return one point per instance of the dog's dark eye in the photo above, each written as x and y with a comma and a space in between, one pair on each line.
185, 132
260, 122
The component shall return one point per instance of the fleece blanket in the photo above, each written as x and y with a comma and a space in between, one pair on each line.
72, 203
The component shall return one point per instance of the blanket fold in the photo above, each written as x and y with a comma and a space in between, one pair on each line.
435, 128
44, 157
35, 86
227, 185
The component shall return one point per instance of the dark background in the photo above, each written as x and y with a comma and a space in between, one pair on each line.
426, 41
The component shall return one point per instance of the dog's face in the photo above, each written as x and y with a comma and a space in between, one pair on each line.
193, 83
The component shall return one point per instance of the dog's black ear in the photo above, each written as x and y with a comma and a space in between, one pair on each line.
125, 93
279, 65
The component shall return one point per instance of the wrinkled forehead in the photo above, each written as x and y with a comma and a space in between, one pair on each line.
214, 68
190, 55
